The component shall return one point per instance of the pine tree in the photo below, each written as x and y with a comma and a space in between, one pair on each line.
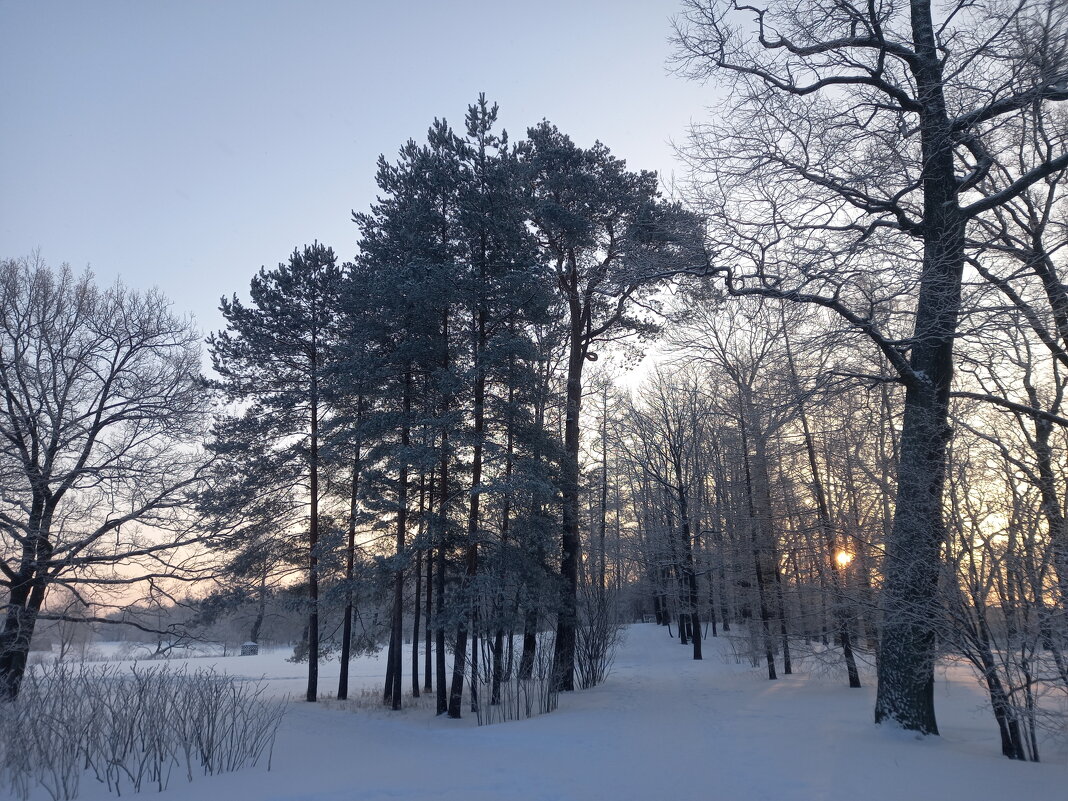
272, 358
604, 236
407, 285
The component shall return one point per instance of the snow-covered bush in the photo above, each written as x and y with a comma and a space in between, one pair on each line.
516, 698
131, 729
597, 636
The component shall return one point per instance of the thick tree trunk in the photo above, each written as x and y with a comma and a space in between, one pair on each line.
567, 612
25, 599
905, 693
530, 642
19, 624
261, 608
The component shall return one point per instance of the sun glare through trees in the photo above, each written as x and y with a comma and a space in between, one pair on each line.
546, 415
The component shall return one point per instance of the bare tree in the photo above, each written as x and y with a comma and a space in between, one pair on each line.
663, 444
101, 410
858, 137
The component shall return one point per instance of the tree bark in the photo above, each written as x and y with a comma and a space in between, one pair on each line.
762, 592
567, 614
442, 702
350, 564
313, 538
402, 527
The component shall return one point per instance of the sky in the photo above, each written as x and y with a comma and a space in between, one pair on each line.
184, 145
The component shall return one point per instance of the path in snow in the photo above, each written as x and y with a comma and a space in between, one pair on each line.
661, 727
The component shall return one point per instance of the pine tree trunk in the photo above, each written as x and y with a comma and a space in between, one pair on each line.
417, 603
428, 681
563, 676
530, 643
313, 542
603, 507
402, 527
391, 659
473, 520
350, 565
417, 608
474, 663
498, 667
261, 607
443, 529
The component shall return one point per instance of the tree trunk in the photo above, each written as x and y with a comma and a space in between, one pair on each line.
402, 528
905, 693
19, 624
563, 676
498, 666
474, 663
530, 642
693, 616
473, 519
762, 592
1009, 727
417, 603
603, 509
313, 543
350, 564
391, 663
417, 608
261, 607
841, 613
443, 529
428, 681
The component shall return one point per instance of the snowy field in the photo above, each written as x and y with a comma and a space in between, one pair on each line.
661, 727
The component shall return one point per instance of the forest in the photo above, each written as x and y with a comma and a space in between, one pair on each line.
807, 398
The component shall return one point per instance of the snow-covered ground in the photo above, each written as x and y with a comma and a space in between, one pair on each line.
661, 727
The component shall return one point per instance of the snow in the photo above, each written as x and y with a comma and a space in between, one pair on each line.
661, 727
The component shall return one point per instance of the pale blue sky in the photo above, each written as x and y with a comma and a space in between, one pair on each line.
185, 144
